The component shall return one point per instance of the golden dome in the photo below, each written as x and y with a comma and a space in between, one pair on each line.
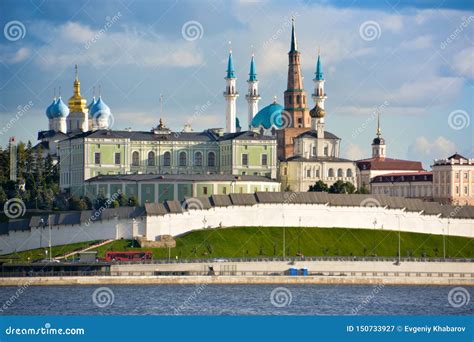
317, 112
77, 103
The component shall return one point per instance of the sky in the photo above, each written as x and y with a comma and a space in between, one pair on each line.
410, 60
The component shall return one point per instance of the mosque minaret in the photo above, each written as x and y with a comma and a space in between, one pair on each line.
230, 96
252, 96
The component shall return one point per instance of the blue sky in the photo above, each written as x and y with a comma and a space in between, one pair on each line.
411, 59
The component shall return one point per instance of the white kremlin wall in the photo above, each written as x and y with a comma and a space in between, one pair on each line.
269, 215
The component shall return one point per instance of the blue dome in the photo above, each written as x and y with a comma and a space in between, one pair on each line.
269, 116
49, 109
94, 101
99, 108
59, 109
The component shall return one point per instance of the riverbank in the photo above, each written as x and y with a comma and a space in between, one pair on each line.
237, 280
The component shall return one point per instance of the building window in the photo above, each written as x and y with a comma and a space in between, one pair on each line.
314, 150
331, 172
224, 190
198, 159
97, 158
182, 159
317, 173
285, 171
465, 190
211, 159
264, 160
117, 158
326, 150
457, 175
465, 175
151, 158
245, 159
349, 173
135, 158
339, 173
308, 173
204, 190
457, 189
167, 159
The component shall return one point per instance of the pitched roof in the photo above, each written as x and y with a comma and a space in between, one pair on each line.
422, 176
317, 159
388, 164
176, 178
314, 134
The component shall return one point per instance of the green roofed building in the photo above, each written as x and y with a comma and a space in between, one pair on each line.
160, 188
163, 152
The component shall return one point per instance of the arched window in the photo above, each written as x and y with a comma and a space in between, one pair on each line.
211, 159
182, 159
135, 158
151, 158
198, 159
349, 173
339, 173
167, 159
326, 150
331, 172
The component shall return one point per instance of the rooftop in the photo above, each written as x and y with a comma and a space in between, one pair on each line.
177, 178
389, 164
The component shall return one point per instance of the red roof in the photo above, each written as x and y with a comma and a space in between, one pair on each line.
419, 173
389, 164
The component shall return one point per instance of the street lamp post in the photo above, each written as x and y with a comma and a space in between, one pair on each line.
49, 223
284, 237
375, 226
399, 240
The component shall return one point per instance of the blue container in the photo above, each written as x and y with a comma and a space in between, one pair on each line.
304, 271
293, 271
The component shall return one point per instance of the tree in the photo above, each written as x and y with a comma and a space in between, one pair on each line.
341, 187
76, 203
133, 201
362, 190
319, 186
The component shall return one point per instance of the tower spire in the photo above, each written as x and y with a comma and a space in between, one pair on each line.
319, 75
252, 96
294, 45
379, 131
230, 96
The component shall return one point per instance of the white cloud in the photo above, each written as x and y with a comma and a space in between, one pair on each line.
421, 42
354, 152
462, 62
393, 23
13, 57
78, 43
424, 149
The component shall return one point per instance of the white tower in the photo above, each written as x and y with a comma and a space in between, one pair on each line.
230, 96
319, 96
253, 96
378, 144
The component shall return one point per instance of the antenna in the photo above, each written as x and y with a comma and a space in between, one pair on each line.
76, 71
161, 104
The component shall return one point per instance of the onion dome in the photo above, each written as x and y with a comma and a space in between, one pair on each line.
271, 115
99, 109
89, 107
317, 112
49, 109
59, 109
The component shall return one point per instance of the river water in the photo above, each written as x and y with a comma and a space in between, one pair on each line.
206, 299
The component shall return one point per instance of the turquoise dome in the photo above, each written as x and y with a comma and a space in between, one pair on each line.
91, 104
49, 109
59, 109
99, 108
269, 116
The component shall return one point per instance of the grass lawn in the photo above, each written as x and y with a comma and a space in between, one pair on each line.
268, 241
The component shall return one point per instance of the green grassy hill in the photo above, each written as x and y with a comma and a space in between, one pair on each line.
268, 241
